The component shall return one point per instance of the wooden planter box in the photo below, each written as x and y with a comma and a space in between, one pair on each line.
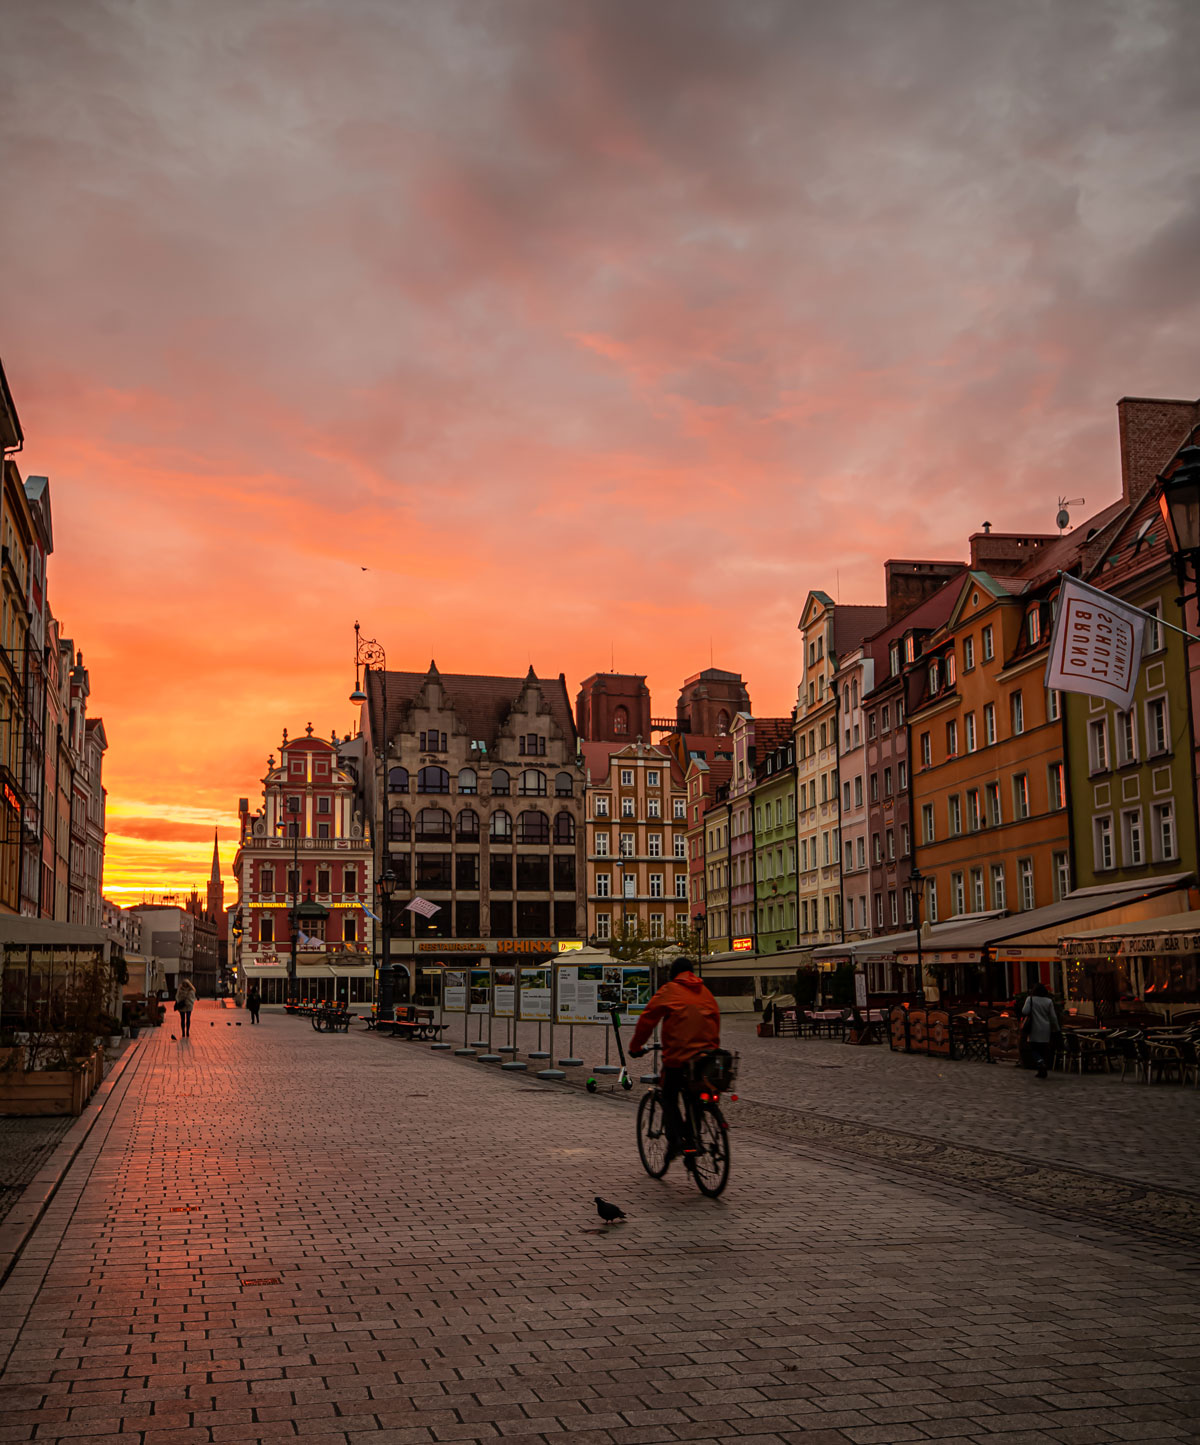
50, 1091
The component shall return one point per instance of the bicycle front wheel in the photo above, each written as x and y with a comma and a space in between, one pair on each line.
710, 1164
653, 1144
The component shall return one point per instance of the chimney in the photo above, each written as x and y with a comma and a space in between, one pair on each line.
908, 584
1003, 554
1152, 431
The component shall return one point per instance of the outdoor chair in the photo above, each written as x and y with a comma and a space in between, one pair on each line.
1130, 1048
1189, 1054
785, 1022
1165, 1059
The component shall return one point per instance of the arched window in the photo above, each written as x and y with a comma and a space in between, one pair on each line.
397, 780
466, 825
433, 780
564, 828
500, 828
500, 783
722, 723
621, 720
533, 827
533, 784
564, 785
399, 825
467, 781
433, 824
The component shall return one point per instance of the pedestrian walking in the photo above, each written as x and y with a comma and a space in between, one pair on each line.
253, 1002
185, 1001
1044, 1027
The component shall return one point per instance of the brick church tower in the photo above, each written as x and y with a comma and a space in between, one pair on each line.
613, 707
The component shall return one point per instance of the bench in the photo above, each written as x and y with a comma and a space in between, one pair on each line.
330, 1020
411, 1023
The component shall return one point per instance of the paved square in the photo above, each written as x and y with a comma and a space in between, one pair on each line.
442, 1276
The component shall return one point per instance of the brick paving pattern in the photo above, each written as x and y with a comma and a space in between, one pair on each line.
1096, 1122
442, 1277
25, 1145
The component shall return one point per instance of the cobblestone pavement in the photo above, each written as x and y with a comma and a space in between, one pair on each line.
25, 1145
333, 1238
1096, 1122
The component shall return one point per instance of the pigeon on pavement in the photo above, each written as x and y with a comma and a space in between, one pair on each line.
608, 1212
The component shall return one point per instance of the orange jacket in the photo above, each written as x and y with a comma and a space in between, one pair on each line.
690, 1018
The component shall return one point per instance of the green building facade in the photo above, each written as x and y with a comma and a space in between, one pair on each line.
1129, 775
774, 805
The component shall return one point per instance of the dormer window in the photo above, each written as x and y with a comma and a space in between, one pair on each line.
1033, 624
894, 659
935, 677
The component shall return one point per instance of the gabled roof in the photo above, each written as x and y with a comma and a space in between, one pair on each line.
482, 703
599, 756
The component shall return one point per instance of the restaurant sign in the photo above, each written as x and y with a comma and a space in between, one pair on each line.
743, 945
1131, 945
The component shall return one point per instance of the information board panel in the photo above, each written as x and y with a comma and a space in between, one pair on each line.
478, 982
586, 991
454, 991
535, 994
504, 987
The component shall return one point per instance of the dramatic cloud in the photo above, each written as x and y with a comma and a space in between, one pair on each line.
591, 329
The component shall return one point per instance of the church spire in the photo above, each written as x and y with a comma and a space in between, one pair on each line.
216, 889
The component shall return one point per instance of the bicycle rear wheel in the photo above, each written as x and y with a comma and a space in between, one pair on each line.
653, 1144
710, 1163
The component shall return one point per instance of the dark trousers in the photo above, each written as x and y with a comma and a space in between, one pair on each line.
185, 1022
1043, 1054
253, 1012
674, 1081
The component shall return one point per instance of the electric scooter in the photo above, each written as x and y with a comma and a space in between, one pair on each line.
624, 1080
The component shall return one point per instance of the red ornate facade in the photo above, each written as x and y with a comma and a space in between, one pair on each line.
305, 848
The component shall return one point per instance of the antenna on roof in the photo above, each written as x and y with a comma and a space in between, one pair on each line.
1063, 520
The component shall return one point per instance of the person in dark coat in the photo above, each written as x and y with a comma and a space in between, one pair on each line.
253, 1002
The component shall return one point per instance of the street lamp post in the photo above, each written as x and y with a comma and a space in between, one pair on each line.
1179, 502
917, 881
385, 886
370, 654
293, 916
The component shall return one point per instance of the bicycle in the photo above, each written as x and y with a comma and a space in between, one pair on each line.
704, 1124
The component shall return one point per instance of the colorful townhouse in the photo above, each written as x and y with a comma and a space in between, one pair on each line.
774, 804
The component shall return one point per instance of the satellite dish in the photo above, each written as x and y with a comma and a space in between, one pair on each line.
1063, 520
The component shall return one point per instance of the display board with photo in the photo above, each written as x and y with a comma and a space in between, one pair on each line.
454, 991
586, 992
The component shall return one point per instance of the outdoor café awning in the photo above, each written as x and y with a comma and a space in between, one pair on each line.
1169, 935
967, 942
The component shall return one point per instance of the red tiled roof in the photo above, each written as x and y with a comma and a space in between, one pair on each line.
851, 623
481, 703
770, 733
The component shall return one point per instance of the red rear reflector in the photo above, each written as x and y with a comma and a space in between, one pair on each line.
733, 1098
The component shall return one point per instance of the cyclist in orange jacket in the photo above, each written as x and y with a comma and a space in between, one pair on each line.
691, 1026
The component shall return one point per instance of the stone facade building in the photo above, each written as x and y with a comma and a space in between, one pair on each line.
474, 787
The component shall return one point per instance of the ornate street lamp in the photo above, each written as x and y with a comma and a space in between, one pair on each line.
1179, 502
385, 886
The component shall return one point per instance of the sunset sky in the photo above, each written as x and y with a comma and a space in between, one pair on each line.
596, 330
